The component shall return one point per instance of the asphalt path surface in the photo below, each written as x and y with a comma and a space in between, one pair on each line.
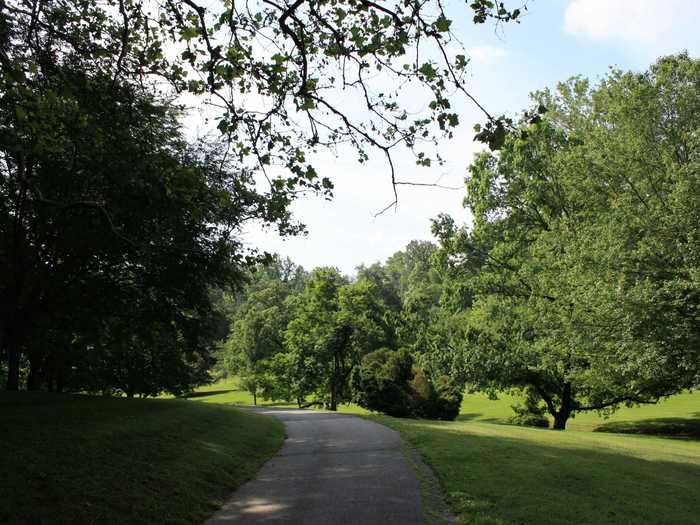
333, 469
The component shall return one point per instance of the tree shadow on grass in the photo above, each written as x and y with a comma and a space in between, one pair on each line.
207, 393
269, 404
494, 479
469, 416
476, 416
663, 426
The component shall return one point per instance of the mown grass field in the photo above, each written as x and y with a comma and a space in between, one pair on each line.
500, 474
675, 416
678, 415
592, 473
81, 459
92, 460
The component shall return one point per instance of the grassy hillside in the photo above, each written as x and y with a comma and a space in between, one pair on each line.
677, 415
81, 459
500, 474
497, 474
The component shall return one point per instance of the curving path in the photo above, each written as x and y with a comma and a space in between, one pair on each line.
333, 469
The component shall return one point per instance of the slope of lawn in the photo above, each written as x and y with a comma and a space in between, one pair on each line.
91, 460
501, 474
498, 474
676, 415
228, 391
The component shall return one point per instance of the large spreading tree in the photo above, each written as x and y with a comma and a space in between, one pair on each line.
580, 272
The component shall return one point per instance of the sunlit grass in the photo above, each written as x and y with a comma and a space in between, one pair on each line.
669, 416
495, 474
503, 474
229, 392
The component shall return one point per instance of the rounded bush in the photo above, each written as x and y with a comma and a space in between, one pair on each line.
381, 382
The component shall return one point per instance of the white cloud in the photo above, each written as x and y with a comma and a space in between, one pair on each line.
651, 26
486, 52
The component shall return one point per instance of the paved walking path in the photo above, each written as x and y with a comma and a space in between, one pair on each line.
333, 469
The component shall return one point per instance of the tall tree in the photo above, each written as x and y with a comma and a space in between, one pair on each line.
582, 260
92, 218
259, 323
335, 324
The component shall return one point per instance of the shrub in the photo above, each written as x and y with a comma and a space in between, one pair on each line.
449, 396
422, 394
381, 382
435, 400
386, 381
529, 420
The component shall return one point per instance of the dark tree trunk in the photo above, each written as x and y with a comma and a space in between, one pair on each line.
560, 420
12, 367
33, 382
333, 405
255, 398
562, 415
34, 377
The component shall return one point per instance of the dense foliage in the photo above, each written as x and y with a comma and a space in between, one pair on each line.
114, 229
321, 338
381, 382
580, 271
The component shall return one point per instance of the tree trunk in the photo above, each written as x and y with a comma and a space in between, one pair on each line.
335, 380
12, 367
255, 399
34, 377
33, 383
562, 415
333, 405
560, 420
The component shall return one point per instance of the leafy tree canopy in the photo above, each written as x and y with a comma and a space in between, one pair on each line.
582, 263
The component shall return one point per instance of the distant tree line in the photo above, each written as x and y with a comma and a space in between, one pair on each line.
312, 338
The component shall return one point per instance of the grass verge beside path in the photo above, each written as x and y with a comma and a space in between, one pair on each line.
81, 459
499, 474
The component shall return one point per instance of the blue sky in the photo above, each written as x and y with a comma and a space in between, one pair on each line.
555, 40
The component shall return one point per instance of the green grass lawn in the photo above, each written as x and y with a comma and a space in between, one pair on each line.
677, 415
501, 474
496, 474
82, 459
91, 460
228, 391
591, 473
